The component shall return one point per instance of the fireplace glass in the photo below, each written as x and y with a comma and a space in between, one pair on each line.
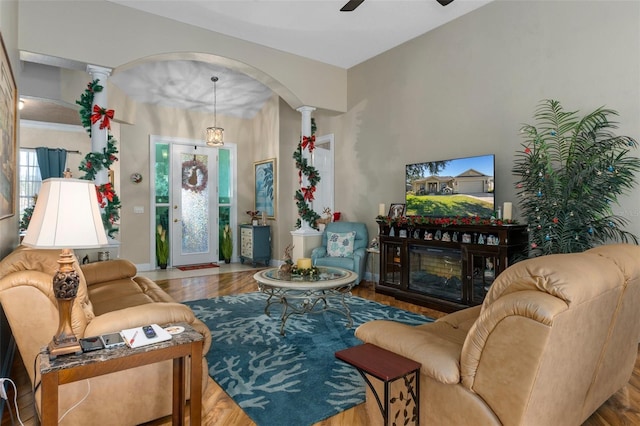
436, 272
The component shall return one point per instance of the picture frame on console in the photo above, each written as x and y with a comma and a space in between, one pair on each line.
397, 210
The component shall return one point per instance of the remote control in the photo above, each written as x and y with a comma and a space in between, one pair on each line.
149, 332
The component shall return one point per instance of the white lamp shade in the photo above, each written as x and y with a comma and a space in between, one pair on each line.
66, 215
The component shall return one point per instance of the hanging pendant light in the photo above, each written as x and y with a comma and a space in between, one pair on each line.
214, 134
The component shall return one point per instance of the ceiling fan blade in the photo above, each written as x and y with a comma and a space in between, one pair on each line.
444, 2
352, 4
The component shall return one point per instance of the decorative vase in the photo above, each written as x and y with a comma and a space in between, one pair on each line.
227, 261
163, 266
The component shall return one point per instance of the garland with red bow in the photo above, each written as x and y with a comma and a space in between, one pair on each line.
305, 193
95, 161
102, 113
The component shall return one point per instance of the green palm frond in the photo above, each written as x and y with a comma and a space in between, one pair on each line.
570, 172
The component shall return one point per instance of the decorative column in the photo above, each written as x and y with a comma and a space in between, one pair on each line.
99, 136
305, 238
96, 119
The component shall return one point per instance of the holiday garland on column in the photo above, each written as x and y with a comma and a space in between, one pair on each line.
305, 193
570, 171
95, 161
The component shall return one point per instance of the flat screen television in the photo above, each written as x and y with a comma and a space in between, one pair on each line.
450, 188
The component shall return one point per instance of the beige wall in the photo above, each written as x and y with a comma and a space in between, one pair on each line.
135, 235
37, 134
467, 87
462, 89
65, 29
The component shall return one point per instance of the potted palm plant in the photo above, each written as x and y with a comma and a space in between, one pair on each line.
226, 247
570, 172
162, 247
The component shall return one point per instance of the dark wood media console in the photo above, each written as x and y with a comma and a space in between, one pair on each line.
446, 268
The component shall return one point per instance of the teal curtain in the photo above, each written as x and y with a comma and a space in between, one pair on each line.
51, 161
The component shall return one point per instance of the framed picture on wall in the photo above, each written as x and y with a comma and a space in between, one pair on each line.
8, 114
264, 177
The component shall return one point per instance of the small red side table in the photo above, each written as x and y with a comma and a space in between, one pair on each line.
387, 367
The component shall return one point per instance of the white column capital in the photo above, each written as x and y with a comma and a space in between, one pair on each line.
305, 109
98, 71
306, 119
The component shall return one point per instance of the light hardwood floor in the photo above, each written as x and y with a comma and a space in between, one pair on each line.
218, 409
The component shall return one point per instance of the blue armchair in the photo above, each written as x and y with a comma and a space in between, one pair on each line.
356, 261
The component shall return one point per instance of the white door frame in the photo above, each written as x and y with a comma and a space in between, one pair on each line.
155, 139
324, 161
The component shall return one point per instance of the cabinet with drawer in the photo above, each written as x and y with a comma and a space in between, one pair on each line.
255, 244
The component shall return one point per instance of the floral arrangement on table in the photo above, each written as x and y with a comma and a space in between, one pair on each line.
305, 194
253, 214
95, 161
309, 272
408, 221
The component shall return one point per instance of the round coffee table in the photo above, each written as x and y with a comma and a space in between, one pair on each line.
300, 294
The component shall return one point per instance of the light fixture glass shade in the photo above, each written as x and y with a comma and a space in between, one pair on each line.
66, 215
214, 136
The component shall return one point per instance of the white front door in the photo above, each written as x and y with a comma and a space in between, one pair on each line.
322, 160
194, 205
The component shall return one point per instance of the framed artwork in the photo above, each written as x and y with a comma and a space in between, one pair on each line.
396, 210
264, 177
8, 123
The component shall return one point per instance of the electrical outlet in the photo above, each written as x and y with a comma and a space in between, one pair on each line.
3, 391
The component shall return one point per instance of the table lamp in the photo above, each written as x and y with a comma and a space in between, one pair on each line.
66, 216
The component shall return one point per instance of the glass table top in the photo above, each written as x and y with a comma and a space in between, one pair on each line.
325, 278
324, 274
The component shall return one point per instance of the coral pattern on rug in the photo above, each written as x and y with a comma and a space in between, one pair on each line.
293, 379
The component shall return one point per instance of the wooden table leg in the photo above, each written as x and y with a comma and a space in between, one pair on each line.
49, 401
179, 397
196, 383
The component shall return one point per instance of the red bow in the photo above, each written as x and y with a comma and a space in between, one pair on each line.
307, 193
306, 140
105, 192
105, 114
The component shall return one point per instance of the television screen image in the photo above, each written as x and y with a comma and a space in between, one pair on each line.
449, 188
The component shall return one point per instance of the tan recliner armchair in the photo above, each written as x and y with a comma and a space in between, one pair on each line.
110, 298
555, 337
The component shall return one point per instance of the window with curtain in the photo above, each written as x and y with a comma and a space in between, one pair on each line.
29, 179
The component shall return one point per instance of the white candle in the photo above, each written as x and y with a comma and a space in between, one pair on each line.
506, 211
381, 210
304, 263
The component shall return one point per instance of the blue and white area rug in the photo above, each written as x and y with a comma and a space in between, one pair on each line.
293, 379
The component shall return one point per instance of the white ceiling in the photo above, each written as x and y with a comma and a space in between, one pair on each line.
187, 85
314, 29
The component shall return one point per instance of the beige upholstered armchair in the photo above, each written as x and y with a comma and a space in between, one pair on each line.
555, 337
